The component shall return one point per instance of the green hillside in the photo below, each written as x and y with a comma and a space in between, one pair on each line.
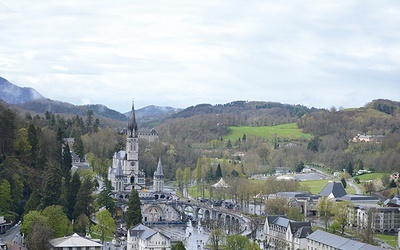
285, 131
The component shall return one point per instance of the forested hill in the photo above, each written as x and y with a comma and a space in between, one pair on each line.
378, 117
206, 122
247, 109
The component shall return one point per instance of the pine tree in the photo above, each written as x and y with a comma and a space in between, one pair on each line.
52, 185
67, 160
78, 146
105, 197
83, 199
134, 213
74, 186
218, 172
5, 197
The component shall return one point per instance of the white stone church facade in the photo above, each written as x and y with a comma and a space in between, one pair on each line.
125, 173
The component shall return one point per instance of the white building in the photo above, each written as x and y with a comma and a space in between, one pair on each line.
141, 237
125, 173
75, 242
282, 233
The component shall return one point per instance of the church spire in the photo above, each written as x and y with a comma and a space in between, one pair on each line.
159, 172
132, 125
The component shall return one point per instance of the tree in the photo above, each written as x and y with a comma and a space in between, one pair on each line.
179, 246
78, 146
276, 206
179, 179
17, 189
81, 224
209, 174
340, 211
134, 213
325, 210
105, 197
5, 197
343, 180
73, 190
57, 219
295, 214
39, 234
313, 145
236, 242
218, 172
52, 185
28, 220
33, 202
83, 198
33, 141
369, 187
263, 153
105, 226
67, 161
300, 167
229, 144
21, 145
367, 232
186, 179
216, 238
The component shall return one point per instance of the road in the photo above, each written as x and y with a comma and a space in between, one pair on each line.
13, 238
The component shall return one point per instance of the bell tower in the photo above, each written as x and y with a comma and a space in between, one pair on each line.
132, 149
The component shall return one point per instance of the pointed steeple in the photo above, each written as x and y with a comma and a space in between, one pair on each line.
132, 125
159, 172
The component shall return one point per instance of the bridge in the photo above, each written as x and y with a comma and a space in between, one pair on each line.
173, 212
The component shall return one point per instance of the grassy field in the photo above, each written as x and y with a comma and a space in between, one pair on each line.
284, 131
389, 239
316, 186
372, 176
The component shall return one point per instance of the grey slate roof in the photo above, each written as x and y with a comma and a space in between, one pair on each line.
338, 242
143, 232
299, 229
357, 197
335, 188
119, 170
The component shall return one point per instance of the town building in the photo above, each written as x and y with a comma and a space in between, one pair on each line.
75, 242
282, 233
321, 240
382, 219
305, 201
141, 237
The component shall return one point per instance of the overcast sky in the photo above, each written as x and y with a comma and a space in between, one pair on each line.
182, 53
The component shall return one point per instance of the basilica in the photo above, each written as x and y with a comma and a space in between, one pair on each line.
125, 173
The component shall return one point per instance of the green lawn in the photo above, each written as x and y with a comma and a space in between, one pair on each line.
285, 131
389, 239
371, 176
